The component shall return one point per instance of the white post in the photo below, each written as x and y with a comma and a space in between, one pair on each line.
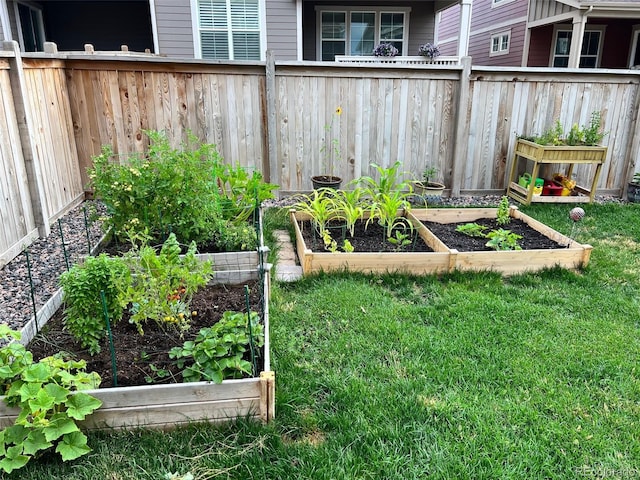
577, 37
465, 28
4, 21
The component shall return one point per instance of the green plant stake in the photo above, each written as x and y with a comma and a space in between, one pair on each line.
33, 297
254, 364
64, 247
103, 299
86, 230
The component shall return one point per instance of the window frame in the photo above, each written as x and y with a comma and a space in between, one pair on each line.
589, 29
499, 36
39, 20
348, 10
499, 3
634, 48
197, 43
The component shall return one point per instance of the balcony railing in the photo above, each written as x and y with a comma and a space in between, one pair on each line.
408, 60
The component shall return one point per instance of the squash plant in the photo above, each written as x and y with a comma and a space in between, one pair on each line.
50, 398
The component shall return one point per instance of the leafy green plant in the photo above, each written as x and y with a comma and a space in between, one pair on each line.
472, 229
351, 206
217, 352
586, 135
400, 239
321, 205
389, 180
330, 148
48, 394
502, 213
636, 178
169, 190
386, 207
163, 283
242, 192
232, 236
501, 239
428, 174
82, 284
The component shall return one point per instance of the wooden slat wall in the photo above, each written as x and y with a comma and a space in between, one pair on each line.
386, 116
16, 217
504, 105
53, 138
113, 102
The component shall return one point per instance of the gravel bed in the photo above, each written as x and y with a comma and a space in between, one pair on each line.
48, 261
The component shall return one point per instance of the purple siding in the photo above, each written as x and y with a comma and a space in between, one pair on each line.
540, 46
480, 47
448, 30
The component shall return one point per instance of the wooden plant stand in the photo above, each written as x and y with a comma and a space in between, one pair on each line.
550, 154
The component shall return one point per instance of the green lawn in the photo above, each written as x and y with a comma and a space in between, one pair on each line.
465, 376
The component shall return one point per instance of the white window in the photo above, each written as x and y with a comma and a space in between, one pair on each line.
634, 52
30, 27
500, 43
497, 3
591, 46
229, 29
357, 31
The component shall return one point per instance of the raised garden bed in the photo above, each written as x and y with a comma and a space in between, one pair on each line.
443, 258
168, 405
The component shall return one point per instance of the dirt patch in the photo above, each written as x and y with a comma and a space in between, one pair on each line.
371, 238
366, 238
531, 238
135, 354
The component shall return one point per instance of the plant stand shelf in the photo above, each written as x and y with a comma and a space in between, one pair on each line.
550, 154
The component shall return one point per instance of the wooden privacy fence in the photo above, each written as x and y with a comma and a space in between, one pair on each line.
57, 110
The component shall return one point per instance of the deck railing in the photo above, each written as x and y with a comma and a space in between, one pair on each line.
400, 60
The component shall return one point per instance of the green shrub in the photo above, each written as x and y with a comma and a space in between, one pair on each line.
187, 191
82, 284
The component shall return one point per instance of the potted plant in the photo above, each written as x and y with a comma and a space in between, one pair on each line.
633, 190
429, 189
429, 50
331, 154
385, 50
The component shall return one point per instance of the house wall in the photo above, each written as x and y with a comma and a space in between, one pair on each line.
540, 9
615, 49
448, 30
487, 19
175, 30
282, 28
421, 24
540, 46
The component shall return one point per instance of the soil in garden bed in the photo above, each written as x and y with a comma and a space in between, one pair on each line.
367, 238
531, 238
135, 354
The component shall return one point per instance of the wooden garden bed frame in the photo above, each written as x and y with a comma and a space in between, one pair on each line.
170, 405
444, 259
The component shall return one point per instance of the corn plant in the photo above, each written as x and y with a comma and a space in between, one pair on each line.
351, 206
322, 206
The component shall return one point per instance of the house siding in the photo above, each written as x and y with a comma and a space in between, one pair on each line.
486, 20
448, 30
540, 9
540, 46
175, 30
282, 28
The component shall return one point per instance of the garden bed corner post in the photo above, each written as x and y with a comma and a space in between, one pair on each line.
267, 396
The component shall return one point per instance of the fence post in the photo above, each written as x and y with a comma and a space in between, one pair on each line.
272, 148
25, 129
461, 128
